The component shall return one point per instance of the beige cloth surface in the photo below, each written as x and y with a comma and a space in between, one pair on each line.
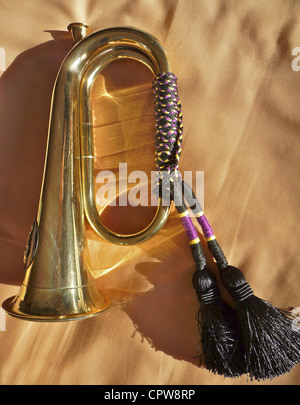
240, 99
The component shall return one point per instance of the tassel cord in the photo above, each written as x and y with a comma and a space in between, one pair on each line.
215, 318
271, 346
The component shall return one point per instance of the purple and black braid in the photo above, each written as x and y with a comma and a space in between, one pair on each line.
168, 133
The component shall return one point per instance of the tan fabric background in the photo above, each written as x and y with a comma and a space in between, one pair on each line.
240, 101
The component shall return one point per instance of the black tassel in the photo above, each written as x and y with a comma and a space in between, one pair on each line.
270, 343
220, 352
216, 323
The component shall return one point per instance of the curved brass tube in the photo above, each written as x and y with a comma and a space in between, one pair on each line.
115, 43
58, 283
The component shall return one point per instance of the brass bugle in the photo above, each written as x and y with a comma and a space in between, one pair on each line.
59, 284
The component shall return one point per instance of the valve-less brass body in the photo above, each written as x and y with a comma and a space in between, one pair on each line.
58, 283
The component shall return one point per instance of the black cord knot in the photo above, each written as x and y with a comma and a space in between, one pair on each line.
205, 285
236, 284
209, 296
241, 292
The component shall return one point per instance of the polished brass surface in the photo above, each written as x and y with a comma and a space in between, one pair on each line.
58, 282
79, 31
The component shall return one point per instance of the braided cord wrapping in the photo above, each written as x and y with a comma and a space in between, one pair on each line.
169, 129
168, 123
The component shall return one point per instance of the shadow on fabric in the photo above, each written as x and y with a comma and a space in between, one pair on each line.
26, 89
